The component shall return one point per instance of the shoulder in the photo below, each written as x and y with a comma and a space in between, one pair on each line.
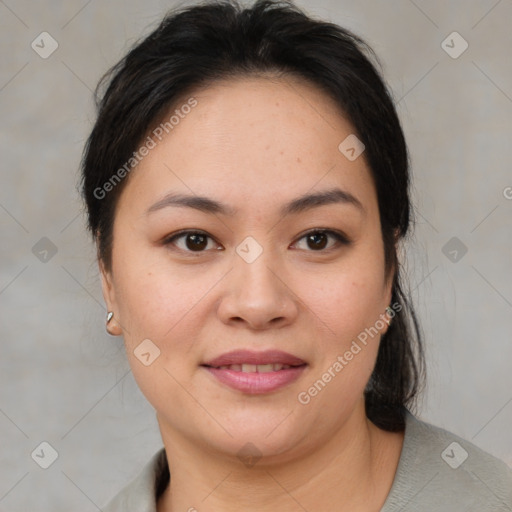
441, 471
139, 494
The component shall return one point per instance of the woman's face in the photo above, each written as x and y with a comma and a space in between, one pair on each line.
251, 279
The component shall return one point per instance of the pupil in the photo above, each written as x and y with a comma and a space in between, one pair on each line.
315, 239
198, 241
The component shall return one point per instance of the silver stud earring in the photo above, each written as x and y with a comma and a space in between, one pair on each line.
389, 311
110, 315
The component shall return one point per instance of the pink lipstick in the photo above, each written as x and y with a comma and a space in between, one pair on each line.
256, 372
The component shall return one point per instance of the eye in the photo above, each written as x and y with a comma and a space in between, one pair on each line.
194, 241
317, 239
197, 241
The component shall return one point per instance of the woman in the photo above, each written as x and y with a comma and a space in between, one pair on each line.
247, 186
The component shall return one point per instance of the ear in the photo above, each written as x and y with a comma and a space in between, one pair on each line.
388, 287
386, 318
107, 286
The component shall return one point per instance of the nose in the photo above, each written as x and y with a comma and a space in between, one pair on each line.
256, 294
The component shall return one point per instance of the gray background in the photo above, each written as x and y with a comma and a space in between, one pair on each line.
64, 381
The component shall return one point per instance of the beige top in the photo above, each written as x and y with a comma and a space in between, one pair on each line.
437, 472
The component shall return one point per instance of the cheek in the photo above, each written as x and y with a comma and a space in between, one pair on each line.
149, 296
344, 301
161, 329
157, 305
346, 309
346, 306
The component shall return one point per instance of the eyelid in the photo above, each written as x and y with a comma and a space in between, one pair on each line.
168, 240
339, 236
331, 231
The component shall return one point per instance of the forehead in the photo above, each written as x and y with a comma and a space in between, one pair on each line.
256, 138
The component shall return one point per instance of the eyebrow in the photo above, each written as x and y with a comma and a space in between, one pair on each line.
298, 205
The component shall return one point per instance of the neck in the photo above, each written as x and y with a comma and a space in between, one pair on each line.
354, 469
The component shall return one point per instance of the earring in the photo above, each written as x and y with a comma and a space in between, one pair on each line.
110, 315
389, 312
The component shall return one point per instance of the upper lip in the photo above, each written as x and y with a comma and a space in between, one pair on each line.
250, 357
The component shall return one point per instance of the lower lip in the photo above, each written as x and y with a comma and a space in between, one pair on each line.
256, 383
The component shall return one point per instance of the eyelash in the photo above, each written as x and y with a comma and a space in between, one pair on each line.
338, 236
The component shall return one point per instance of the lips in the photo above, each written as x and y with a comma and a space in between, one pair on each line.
255, 372
261, 362
252, 368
